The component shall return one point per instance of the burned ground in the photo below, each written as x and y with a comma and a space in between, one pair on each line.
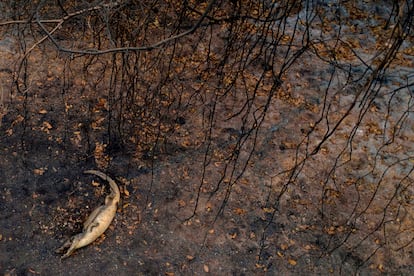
246, 138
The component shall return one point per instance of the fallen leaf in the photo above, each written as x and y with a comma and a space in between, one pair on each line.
96, 125
47, 125
288, 145
39, 171
259, 265
292, 261
268, 210
33, 271
307, 247
102, 104
206, 269
331, 230
101, 159
18, 120
284, 246
244, 181
95, 183
181, 203
240, 211
186, 143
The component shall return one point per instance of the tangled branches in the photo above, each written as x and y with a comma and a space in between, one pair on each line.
301, 92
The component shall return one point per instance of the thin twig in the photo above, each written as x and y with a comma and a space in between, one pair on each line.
60, 23
124, 49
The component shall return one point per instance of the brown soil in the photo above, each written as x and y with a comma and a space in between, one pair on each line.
348, 210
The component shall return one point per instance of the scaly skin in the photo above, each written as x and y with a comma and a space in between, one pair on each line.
97, 222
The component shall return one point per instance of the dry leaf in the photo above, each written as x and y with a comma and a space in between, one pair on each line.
101, 159
68, 107
331, 230
244, 181
181, 203
96, 125
19, 119
39, 171
288, 145
206, 269
292, 262
95, 183
47, 125
259, 266
209, 207
268, 210
102, 104
284, 246
240, 211
374, 128
186, 143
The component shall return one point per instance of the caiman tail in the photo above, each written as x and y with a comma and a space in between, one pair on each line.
114, 187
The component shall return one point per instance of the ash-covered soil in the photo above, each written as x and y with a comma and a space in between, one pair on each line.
349, 208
